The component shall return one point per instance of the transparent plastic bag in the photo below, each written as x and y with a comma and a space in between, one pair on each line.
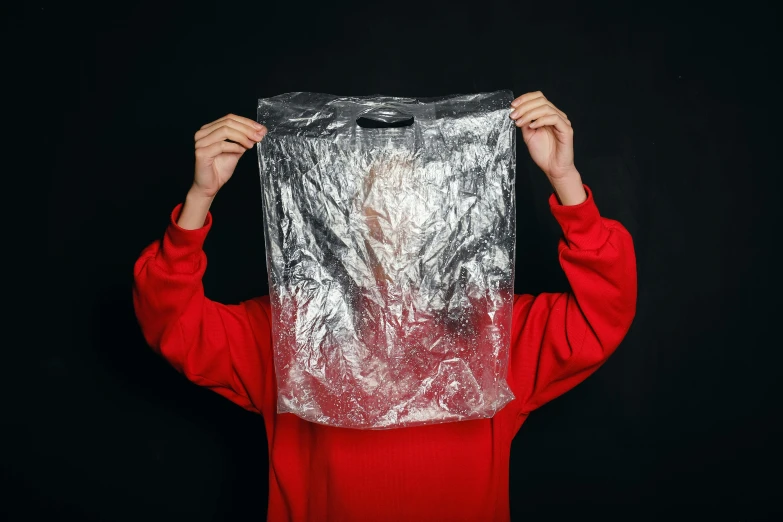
390, 235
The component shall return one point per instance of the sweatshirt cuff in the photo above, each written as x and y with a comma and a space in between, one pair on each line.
582, 225
181, 248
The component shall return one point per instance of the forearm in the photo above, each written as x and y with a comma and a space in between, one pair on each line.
569, 188
194, 211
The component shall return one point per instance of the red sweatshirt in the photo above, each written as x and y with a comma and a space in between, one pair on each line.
446, 472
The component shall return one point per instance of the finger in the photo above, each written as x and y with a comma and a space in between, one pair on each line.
229, 133
249, 131
234, 124
527, 97
219, 148
539, 112
225, 133
555, 121
234, 117
533, 104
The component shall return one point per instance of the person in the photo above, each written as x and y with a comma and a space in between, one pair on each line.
456, 471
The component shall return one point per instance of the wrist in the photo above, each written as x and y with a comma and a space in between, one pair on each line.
569, 188
195, 210
197, 194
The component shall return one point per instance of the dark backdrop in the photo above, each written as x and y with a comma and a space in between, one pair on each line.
676, 132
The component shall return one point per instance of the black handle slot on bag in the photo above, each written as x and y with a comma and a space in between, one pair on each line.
384, 118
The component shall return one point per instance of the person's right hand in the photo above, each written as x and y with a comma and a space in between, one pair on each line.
219, 145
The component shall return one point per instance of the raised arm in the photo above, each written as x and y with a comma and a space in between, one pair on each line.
559, 339
223, 347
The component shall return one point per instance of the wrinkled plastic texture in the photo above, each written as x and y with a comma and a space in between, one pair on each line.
390, 254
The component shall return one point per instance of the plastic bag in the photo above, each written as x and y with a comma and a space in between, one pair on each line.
390, 235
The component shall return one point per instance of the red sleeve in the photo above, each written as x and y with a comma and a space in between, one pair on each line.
559, 339
222, 347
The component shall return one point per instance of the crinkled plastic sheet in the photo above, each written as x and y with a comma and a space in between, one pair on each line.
390, 254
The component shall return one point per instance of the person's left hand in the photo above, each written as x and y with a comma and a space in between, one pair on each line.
548, 134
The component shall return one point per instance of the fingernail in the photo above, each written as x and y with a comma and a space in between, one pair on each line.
259, 135
515, 103
258, 126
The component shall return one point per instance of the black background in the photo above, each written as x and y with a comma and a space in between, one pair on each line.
675, 113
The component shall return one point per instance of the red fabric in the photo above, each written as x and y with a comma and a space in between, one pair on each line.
455, 471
